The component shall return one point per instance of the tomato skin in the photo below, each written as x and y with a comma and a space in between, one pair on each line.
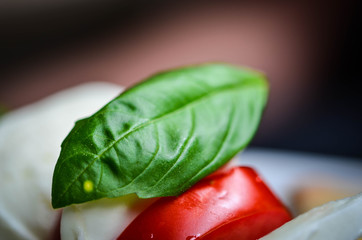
254, 226
227, 205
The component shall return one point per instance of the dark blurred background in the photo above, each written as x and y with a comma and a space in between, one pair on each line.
309, 50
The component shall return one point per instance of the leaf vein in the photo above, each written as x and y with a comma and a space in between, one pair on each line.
231, 114
183, 148
145, 169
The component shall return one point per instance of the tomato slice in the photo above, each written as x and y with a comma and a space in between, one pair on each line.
227, 205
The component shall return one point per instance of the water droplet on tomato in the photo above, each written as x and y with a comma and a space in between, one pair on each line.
222, 194
193, 237
147, 236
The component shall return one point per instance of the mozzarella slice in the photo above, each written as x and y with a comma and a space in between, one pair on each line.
30, 140
335, 220
101, 219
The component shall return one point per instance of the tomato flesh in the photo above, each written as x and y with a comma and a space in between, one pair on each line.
227, 205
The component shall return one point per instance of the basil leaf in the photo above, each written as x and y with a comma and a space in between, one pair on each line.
161, 136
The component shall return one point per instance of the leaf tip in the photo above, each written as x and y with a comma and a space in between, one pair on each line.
56, 204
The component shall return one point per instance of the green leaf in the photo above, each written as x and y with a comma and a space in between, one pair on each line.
161, 136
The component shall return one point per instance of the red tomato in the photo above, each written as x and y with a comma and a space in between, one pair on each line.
226, 205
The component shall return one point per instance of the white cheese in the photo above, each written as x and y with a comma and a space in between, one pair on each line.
335, 220
101, 219
30, 140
